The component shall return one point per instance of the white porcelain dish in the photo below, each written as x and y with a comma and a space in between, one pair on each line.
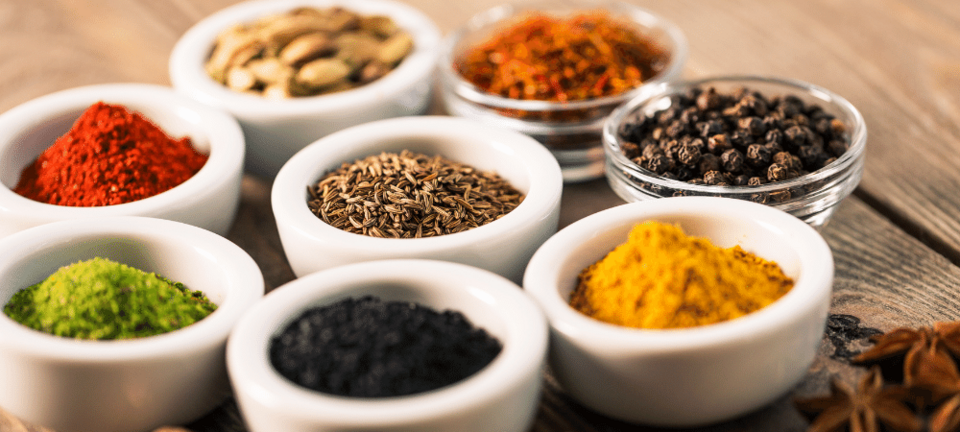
276, 129
503, 246
501, 397
693, 376
71, 385
208, 200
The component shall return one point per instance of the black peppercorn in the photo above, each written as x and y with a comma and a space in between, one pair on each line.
777, 172
675, 129
788, 160
758, 155
718, 144
689, 154
710, 128
732, 160
752, 125
837, 147
649, 151
659, 163
708, 162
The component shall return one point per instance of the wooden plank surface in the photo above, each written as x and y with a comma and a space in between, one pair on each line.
896, 244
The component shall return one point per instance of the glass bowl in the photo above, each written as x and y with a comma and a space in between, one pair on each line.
812, 197
570, 130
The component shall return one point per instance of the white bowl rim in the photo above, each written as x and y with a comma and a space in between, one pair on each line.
521, 355
224, 137
813, 285
642, 16
192, 49
289, 202
243, 273
858, 136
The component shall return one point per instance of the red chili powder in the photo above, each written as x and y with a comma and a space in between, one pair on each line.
110, 156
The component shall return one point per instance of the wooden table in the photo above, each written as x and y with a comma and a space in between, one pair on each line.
896, 241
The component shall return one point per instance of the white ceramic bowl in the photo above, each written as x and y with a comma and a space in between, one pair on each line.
209, 199
503, 246
501, 397
693, 376
132, 385
276, 129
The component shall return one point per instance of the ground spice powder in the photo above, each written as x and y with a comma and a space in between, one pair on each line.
103, 299
110, 156
662, 278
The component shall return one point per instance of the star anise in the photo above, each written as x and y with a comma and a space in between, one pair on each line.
894, 344
946, 418
931, 372
868, 409
949, 335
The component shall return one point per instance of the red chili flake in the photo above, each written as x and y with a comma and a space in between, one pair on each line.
584, 56
110, 156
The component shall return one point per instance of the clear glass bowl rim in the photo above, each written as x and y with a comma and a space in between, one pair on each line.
645, 18
858, 136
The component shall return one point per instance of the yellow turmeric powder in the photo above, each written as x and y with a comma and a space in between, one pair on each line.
662, 278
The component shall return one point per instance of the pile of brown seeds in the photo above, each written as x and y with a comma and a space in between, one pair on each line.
410, 195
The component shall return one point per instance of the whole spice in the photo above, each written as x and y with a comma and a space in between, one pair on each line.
586, 55
662, 278
103, 299
365, 347
922, 361
866, 410
409, 195
110, 156
306, 52
757, 139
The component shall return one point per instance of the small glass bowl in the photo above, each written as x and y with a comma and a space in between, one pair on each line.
576, 139
811, 197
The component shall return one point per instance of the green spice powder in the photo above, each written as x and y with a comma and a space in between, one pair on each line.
103, 299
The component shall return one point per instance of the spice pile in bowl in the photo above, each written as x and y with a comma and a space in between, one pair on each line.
542, 57
555, 71
738, 138
307, 51
110, 156
775, 141
410, 195
405, 348
100, 299
662, 278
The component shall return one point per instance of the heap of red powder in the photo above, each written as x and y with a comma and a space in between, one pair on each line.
110, 156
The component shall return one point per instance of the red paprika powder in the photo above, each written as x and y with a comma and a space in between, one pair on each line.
110, 156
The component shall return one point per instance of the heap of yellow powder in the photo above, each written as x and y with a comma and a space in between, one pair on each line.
662, 278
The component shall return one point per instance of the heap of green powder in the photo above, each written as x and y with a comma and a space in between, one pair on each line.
103, 299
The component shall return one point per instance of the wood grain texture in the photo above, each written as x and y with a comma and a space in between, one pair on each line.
896, 244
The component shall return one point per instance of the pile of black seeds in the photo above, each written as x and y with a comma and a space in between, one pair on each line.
410, 195
365, 347
737, 139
